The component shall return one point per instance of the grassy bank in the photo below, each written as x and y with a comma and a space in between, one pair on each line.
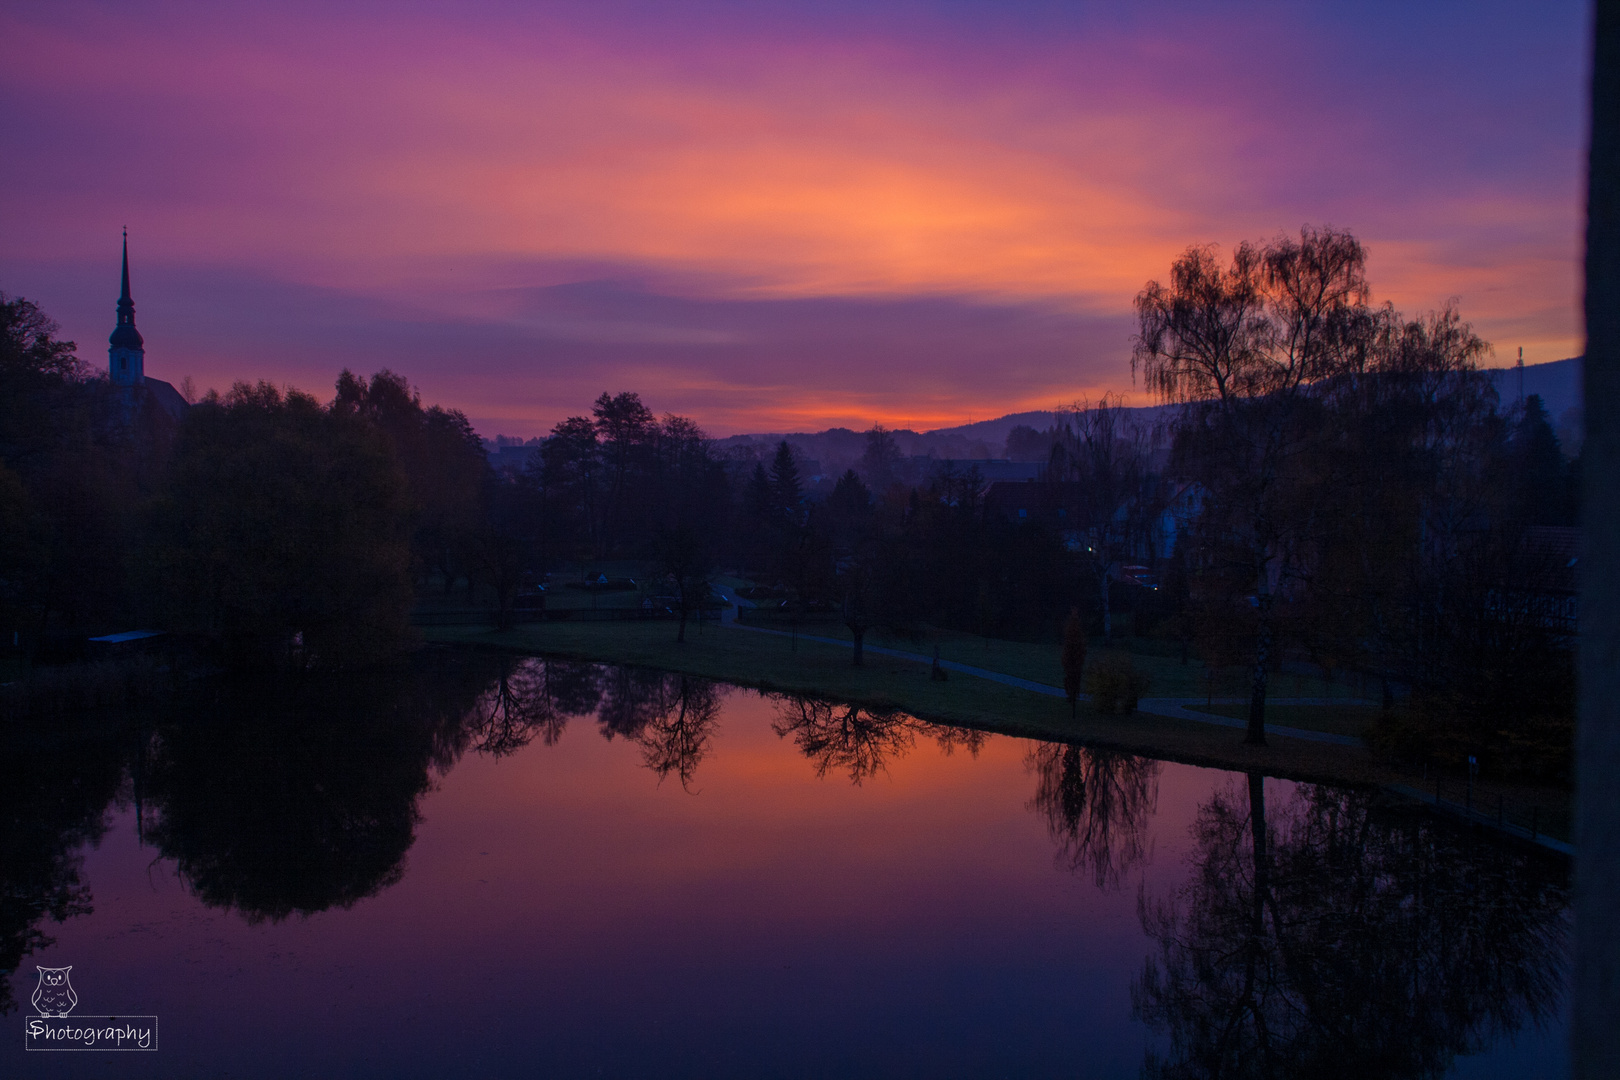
772, 663
1353, 720
1038, 662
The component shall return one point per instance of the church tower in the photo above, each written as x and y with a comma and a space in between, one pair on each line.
126, 359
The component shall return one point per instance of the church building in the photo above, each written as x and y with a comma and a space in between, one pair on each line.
126, 358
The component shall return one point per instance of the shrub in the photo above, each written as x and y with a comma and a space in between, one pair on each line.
1115, 685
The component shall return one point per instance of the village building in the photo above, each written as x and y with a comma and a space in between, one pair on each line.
126, 360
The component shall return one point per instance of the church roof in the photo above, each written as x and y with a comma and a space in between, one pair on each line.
166, 397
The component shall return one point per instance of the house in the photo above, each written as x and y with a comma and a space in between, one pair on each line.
1030, 502
1172, 523
1550, 577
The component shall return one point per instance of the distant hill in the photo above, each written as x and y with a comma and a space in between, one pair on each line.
1558, 382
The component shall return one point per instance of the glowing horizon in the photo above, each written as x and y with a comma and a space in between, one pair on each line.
768, 217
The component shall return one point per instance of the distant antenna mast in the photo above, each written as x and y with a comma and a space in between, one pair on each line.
1520, 367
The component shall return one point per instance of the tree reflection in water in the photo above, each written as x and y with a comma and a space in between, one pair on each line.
1343, 938
531, 697
297, 796
679, 729
630, 699
55, 787
858, 738
672, 718
1097, 805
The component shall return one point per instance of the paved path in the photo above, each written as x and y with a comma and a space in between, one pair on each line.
1180, 709
1172, 707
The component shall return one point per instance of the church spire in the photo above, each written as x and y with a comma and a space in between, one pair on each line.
126, 359
126, 305
123, 297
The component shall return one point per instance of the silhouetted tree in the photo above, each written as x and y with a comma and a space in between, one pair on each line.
786, 493
626, 430
1074, 659
757, 518
76, 461
441, 458
691, 504
880, 462
1024, 443
503, 544
1242, 348
570, 482
283, 532
1544, 479
1107, 457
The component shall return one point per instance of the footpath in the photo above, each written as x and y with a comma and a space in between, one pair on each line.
1184, 709
1180, 708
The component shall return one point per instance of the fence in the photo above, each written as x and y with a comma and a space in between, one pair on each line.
1513, 815
487, 616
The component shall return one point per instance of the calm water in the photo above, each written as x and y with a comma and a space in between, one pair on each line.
500, 868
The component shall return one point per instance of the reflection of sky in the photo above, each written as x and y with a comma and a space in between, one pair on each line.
562, 911
772, 214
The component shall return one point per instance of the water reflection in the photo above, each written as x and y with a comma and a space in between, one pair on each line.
628, 700
1323, 935
296, 796
1097, 805
859, 739
531, 698
54, 793
1336, 937
679, 731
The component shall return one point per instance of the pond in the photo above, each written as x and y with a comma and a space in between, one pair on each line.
510, 867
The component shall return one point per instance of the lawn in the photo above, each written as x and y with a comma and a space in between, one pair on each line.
1039, 662
779, 664
1354, 720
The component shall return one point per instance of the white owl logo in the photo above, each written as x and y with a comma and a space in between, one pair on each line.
54, 996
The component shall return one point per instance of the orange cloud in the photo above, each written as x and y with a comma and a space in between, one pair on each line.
429, 162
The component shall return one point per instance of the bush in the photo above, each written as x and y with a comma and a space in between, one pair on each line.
1528, 747
1115, 685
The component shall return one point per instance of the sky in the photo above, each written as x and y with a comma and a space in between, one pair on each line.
766, 216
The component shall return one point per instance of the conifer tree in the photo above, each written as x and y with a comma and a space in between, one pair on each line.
1074, 659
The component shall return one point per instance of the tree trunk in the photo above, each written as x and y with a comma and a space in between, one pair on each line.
1108, 611
1262, 862
860, 637
1256, 735
680, 633
1262, 857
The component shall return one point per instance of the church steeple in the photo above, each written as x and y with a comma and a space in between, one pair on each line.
126, 359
